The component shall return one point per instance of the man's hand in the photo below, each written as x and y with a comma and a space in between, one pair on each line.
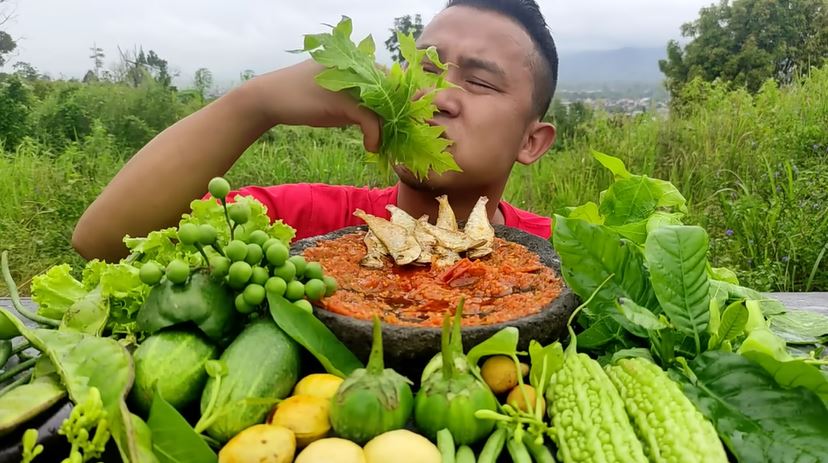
179, 162
291, 96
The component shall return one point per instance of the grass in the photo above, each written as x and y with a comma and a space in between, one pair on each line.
754, 169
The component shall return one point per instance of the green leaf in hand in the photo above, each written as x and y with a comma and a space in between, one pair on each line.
407, 137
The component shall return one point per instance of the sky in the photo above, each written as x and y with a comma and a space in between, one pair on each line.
229, 36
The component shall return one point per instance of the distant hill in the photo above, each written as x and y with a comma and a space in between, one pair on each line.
638, 65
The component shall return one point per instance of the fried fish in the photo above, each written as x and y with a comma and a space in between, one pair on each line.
456, 241
375, 251
426, 240
401, 218
445, 215
401, 246
478, 227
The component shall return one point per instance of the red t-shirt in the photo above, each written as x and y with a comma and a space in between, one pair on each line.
317, 208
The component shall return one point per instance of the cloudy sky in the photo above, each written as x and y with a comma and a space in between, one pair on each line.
229, 36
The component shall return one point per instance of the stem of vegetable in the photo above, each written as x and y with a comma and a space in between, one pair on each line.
21, 380
227, 217
572, 338
22, 366
206, 420
447, 354
218, 249
375, 362
200, 248
15, 297
520, 385
816, 362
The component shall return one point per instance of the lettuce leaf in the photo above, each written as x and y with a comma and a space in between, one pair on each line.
56, 290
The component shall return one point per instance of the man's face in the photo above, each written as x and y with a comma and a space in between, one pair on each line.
487, 117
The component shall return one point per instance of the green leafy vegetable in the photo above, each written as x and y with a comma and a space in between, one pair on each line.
173, 439
27, 401
55, 291
677, 260
732, 324
84, 362
801, 327
407, 138
792, 373
314, 336
640, 319
756, 417
504, 342
109, 295
637, 197
552, 355
591, 253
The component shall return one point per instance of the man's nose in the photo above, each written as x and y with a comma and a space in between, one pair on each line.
447, 101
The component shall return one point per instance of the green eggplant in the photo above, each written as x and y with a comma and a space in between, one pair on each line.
371, 400
449, 397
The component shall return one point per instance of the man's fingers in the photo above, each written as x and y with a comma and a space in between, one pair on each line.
369, 122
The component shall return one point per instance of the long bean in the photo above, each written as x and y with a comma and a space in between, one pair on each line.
12, 372
518, 451
493, 447
15, 298
445, 442
5, 351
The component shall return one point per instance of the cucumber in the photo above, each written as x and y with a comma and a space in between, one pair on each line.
174, 359
262, 367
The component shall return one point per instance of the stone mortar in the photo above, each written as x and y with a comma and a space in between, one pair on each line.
407, 349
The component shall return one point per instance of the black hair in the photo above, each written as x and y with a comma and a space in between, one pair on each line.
528, 15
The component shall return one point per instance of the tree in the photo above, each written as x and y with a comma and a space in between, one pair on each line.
748, 42
136, 66
247, 74
25, 70
7, 43
406, 25
203, 81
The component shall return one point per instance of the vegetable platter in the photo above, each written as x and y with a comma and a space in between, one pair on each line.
202, 345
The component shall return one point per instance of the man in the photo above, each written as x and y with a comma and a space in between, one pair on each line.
503, 61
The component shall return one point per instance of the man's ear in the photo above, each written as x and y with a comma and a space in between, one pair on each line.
538, 139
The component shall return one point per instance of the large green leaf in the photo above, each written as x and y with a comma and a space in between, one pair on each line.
792, 373
590, 254
636, 198
504, 342
83, 362
801, 326
173, 439
614, 164
677, 260
759, 420
314, 336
